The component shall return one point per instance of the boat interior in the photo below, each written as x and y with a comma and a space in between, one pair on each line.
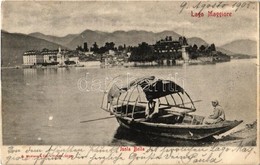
172, 107
167, 114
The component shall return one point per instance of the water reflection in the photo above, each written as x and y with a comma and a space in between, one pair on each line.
29, 72
29, 94
50, 71
124, 136
63, 70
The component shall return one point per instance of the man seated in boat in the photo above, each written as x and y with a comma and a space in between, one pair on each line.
217, 116
152, 109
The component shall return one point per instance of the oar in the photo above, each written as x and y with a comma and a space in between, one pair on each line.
104, 118
195, 101
183, 103
190, 102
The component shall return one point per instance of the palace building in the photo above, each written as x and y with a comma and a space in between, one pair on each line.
44, 57
32, 57
169, 48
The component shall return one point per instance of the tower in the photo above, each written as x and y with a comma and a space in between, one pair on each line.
85, 47
185, 55
60, 57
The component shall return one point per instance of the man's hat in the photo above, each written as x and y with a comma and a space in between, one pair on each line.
215, 101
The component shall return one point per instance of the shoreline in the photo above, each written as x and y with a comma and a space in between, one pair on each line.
246, 136
129, 64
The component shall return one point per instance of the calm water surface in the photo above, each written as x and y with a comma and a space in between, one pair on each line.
45, 106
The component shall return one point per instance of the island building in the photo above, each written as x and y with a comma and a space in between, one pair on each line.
171, 49
32, 57
184, 53
60, 57
48, 57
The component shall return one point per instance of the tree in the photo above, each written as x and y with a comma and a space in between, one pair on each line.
120, 48
185, 41
110, 45
94, 48
212, 47
85, 46
142, 53
189, 49
176, 47
194, 48
79, 48
102, 50
202, 48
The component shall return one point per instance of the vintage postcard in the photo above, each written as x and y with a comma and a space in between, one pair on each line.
130, 82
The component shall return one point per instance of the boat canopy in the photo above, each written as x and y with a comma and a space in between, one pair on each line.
160, 88
139, 92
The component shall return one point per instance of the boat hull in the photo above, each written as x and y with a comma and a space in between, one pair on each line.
190, 132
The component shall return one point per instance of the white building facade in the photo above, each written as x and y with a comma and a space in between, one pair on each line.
30, 57
48, 57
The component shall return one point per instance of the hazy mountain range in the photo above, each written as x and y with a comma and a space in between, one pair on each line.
59, 40
14, 44
242, 47
131, 38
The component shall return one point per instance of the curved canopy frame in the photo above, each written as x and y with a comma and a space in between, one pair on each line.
134, 97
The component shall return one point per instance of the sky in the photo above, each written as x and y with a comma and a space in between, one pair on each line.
62, 18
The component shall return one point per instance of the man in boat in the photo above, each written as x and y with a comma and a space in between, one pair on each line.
218, 114
112, 96
152, 109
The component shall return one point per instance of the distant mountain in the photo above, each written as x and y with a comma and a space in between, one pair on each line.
196, 40
225, 51
131, 38
246, 47
162, 35
14, 45
59, 40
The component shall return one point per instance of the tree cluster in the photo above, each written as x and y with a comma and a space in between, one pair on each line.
84, 49
142, 53
108, 46
195, 51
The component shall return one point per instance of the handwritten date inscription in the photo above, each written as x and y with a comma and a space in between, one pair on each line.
206, 5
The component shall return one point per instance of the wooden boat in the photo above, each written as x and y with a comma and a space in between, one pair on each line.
159, 107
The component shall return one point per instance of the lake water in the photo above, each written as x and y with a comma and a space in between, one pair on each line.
45, 106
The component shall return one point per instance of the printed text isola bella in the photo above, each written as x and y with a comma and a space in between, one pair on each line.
135, 148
